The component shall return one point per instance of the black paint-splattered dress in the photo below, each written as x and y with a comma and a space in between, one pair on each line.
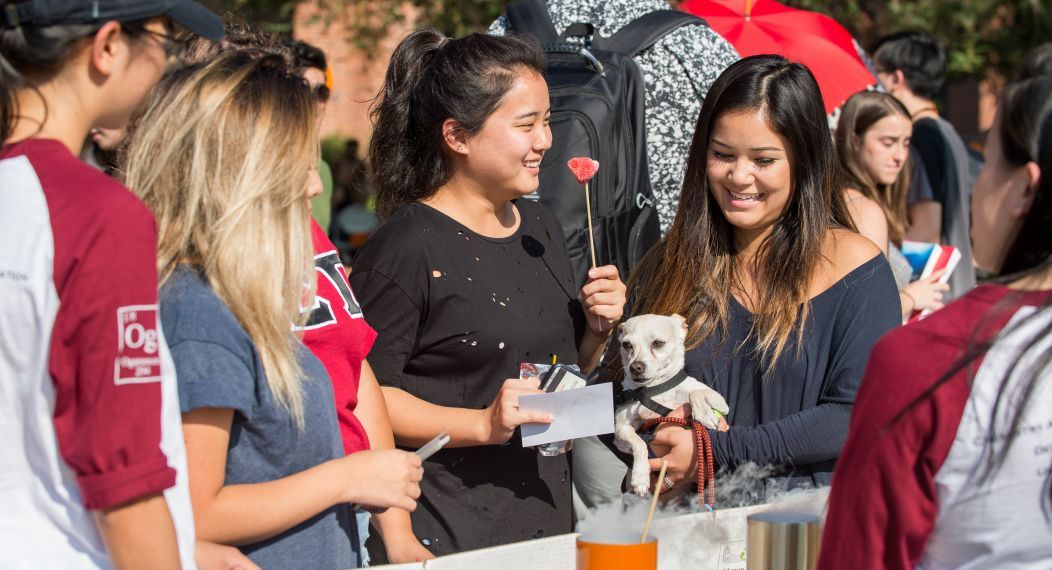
456, 312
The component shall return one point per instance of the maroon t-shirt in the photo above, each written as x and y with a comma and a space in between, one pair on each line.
88, 253
890, 481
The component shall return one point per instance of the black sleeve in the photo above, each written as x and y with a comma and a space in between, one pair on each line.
920, 187
395, 316
869, 309
931, 149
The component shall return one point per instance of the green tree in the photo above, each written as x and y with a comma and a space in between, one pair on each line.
980, 35
371, 19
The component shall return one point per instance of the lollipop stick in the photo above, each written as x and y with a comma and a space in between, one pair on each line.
653, 502
591, 236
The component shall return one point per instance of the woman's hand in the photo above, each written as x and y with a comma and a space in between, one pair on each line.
501, 418
382, 478
926, 293
603, 299
676, 445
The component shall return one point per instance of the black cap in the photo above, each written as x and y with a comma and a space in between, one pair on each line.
187, 13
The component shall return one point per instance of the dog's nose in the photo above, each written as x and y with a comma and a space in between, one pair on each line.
637, 368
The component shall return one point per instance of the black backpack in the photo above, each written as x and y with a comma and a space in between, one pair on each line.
597, 102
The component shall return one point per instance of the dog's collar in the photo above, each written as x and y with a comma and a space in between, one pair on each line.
645, 394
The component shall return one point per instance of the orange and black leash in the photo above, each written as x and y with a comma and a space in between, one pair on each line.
706, 476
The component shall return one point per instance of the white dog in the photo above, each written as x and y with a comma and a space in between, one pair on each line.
652, 351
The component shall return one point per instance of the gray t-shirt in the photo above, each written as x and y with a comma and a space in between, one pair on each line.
217, 366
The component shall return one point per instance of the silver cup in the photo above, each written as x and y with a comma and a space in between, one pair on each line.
783, 540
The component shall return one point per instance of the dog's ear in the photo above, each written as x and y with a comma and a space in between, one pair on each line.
682, 321
620, 331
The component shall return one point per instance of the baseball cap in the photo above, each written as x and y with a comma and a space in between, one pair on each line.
187, 13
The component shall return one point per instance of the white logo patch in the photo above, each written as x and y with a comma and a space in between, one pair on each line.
138, 352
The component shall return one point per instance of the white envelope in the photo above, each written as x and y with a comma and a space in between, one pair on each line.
578, 413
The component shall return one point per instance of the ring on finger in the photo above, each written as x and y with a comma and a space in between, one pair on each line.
668, 483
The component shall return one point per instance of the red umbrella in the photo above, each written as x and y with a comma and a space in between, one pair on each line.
813, 39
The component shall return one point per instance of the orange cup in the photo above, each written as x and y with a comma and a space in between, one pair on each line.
616, 551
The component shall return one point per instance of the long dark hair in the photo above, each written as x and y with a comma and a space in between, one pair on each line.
432, 78
693, 269
1024, 104
859, 114
1026, 123
31, 55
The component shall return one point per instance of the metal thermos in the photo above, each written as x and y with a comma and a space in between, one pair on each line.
783, 540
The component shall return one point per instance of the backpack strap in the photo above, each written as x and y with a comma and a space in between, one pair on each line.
531, 17
647, 29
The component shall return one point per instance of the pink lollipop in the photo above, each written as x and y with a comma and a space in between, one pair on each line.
584, 169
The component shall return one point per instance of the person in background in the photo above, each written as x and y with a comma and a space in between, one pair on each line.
782, 298
912, 67
872, 143
268, 472
94, 470
946, 462
465, 280
314, 68
349, 177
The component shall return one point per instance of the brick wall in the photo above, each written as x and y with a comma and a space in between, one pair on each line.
356, 78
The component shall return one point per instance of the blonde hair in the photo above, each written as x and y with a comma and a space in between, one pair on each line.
220, 152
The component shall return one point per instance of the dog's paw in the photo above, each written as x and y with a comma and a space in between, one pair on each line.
716, 401
708, 418
640, 481
708, 407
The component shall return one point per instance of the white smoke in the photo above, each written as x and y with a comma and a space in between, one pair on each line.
692, 541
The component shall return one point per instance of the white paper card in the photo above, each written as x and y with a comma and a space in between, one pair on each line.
578, 413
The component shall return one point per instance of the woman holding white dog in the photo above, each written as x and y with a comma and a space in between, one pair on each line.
782, 297
466, 280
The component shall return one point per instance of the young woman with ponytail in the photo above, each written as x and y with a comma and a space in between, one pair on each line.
94, 468
467, 279
947, 463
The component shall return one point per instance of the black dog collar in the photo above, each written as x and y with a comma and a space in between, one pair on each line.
645, 394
